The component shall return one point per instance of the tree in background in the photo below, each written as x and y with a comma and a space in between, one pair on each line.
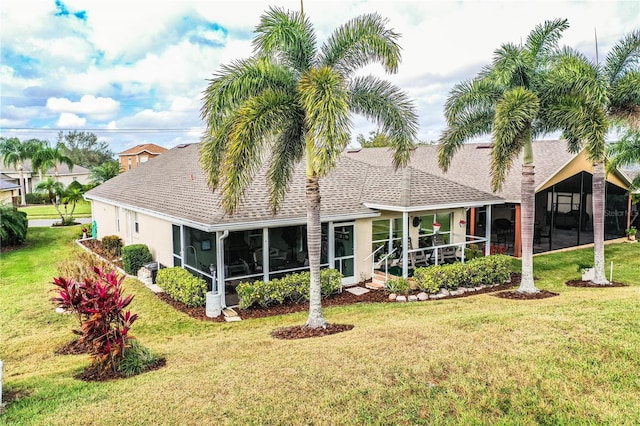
626, 152
84, 149
378, 139
14, 153
104, 172
54, 190
513, 99
45, 157
294, 100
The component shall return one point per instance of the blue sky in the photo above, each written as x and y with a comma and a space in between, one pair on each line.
133, 71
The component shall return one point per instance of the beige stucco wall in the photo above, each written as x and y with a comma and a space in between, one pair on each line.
6, 196
154, 232
363, 249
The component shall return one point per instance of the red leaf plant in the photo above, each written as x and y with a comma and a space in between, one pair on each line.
100, 305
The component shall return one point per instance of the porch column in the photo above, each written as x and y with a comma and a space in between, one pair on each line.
629, 211
472, 218
405, 244
220, 275
517, 236
487, 232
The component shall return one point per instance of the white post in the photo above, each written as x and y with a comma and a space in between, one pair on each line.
405, 244
487, 232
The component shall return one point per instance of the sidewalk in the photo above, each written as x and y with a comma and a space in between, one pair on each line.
50, 222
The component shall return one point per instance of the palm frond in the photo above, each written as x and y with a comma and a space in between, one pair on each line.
624, 99
324, 96
509, 68
288, 36
361, 41
626, 151
511, 130
467, 126
288, 150
471, 95
623, 57
543, 40
391, 109
253, 125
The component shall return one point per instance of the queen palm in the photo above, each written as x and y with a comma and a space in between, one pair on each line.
47, 157
508, 99
626, 152
54, 191
104, 172
14, 153
293, 100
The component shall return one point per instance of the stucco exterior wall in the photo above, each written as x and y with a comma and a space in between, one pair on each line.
363, 249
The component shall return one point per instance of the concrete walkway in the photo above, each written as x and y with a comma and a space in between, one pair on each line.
50, 222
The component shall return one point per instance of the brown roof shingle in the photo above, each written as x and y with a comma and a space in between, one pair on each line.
151, 148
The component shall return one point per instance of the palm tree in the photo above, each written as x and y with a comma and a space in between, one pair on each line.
47, 157
614, 89
72, 195
294, 100
509, 99
104, 172
14, 153
626, 152
54, 191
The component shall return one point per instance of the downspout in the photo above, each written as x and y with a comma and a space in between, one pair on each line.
220, 279
487, 232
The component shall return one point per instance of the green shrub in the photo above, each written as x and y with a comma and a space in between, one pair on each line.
182, 286
487, 270
36, 198
112, 244
134, 257
13, 225
398, 285
292, 287
137, 359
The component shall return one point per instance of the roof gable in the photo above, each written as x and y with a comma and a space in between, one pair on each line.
150, 148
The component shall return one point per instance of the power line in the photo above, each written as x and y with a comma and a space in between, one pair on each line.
69, 129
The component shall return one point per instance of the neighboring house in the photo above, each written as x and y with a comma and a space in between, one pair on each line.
368, 212
133, 157
9, 189
563, 205
65, 175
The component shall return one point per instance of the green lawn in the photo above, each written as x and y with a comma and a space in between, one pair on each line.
47, 211
571, 359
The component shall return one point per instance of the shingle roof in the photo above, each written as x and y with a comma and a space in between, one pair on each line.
151, 148
63, 169
174, 185
470, 165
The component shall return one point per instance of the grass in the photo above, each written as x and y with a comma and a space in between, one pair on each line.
47, 211
570, 359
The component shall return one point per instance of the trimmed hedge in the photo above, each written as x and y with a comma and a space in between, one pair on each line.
292, 287
112, 244
36, 198
182, 286
134, 257
488, 270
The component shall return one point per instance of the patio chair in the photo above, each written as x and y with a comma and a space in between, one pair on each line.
445, 254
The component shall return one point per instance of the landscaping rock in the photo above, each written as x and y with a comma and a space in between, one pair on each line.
423, 296
401, 299
444, 292
457, 292
393, 296
413, 298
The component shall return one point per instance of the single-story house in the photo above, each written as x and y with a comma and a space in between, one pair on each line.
9, 189
133, 157
66, 175
369, 213
563, 202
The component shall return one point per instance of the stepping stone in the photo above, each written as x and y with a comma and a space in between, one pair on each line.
374, 286
358, 291
229, 313
232, 319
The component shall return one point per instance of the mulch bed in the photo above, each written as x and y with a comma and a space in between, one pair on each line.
516, 295
73, 348
590, 284
96, 247
302, 332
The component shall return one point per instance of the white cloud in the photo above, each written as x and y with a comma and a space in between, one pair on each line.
87, 105
70, 121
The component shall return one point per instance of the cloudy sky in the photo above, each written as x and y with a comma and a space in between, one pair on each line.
134, 71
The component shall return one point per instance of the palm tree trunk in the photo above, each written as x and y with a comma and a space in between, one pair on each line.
314, 235
598, 196
23, 187
527, 196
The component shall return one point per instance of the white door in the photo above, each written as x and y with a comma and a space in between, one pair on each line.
344, 253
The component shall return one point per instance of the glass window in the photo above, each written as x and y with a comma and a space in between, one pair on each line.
136, 224
200, 250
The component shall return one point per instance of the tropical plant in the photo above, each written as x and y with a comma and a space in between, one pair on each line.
104, 172
54, 191
512, 99
614, 89
13, 225
626, 152
294, 100
14, 153
46, 157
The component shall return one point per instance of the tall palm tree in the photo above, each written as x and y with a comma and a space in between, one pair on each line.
47, 157
104, 172
626, 152
14, 153
508, 99
294, 100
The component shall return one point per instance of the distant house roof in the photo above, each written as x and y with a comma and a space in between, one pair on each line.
471, 164
63, 169
151, 148
174, 186
7, 183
